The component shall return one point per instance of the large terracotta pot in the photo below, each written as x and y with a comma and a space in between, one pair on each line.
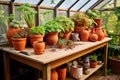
98, 22
10, 33
51, 38
33, 38
54, 75
19, 43
84, 35
99, 32
39, 47
78, 29
66, 35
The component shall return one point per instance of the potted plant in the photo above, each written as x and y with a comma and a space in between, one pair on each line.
80, 20
93, 61
14, 27
52, 28
68, 26
28, 14
61, 43
19, 39
36, 34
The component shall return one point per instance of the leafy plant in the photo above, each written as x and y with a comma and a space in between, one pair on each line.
62, 42
93, 57
52, 26
15, 24
67, 23
80, 19
37, 30
117, 12
22, 34
28, 14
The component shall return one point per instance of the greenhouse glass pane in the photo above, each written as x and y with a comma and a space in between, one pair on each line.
28, 1
79, 4
67, 3
5, 0
88, 5
45, 15
102, 4
48, 3
62, 13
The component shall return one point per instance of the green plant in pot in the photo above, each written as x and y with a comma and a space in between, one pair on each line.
28, 14
52, 28
68, 26
62, 43
19, 39
93, 61
80, 20
36, 34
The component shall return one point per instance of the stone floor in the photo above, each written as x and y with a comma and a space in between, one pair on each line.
98, 76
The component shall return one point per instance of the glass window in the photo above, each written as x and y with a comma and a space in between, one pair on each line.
79, 4
67, 3
5, 0
62, 13
3, 22
45, 15
102, 4
48, 3
28, 1
88, 5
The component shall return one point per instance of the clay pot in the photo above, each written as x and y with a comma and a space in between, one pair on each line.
39, 47
62, 70
10, 33
104, 32
19, 43
93, 37
51, 38
78, 29
66, 35
54, 75
84, 35
93, 64
98, 22
76, 72
33, 38
99, 32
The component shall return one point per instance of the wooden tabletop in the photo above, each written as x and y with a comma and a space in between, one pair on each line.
53, 53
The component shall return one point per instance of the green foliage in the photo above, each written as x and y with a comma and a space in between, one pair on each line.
67, 23
93, 13
80, 19
28, 14
62, 41
117, 12
52, 26
15, 24
37, 30
93, 57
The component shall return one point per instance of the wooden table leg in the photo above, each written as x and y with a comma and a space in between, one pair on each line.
46, 72
6, 67
105, 59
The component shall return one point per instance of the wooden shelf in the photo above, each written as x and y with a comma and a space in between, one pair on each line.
92, 70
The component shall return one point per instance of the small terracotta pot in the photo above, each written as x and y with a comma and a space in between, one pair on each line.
33, 38
98, 22
99, 32
93, 37
66, 35
54, 75
39, 47
19, 43
10, 33
93, 64
84, 35
51, 38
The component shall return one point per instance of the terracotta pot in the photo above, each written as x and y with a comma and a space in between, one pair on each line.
54, 75
93, 37
93, 64
98, 22
62, 70
76, 72
78, 29
104, 32
66, 35
99, 32
114, 65
51, 38
33, 38
84, 35
19, 43
39, 47
10, 33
